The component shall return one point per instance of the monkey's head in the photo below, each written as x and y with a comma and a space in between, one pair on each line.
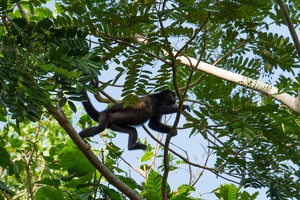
168, 97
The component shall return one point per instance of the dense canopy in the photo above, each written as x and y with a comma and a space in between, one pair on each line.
235, 63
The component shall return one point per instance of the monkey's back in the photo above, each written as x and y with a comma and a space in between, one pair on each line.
132, 114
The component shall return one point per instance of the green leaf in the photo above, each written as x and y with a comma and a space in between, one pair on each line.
48, 192
46, 23
154, 183
72, 106
153, 186
226, 192
63, 101
130, 182
147, 156
50, 182
113, 194
185, 189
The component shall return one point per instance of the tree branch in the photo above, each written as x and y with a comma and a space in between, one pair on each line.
110, 177
290, 25
288, 100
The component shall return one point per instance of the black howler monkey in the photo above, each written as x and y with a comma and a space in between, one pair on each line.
117, 118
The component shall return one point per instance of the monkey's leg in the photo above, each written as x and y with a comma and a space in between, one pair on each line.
89, 132
155, 124
132, 140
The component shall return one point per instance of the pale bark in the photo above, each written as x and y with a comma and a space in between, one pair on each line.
286, 99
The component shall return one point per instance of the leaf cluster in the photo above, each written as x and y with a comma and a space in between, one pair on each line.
40, 59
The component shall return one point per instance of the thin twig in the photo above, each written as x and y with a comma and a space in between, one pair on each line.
290, 25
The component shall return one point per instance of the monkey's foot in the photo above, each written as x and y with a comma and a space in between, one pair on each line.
137, 146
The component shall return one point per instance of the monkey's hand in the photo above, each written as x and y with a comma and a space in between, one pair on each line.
186, 107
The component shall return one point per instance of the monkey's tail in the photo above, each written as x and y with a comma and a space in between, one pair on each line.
88, 106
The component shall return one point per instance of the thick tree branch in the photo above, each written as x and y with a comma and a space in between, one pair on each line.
110, 177
288, 100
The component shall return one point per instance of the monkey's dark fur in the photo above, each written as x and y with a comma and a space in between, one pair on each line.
117, 118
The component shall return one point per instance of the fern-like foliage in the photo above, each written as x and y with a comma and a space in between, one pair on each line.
278, 51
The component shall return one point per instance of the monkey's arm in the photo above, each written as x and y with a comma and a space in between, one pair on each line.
155, 124
163, 110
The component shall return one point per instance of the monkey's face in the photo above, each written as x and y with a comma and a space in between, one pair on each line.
168, 97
